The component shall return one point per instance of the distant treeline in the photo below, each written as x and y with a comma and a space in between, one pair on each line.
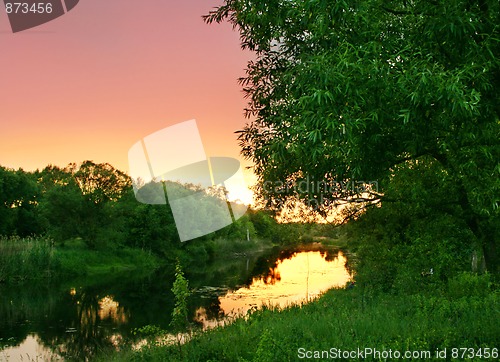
96, 202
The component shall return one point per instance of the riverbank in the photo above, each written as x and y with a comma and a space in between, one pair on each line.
38, 258
33, 259
462, 314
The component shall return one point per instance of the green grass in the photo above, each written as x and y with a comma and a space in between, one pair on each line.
85, 262
345, 319
28, 259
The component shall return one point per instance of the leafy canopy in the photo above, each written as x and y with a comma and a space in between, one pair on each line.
350, 90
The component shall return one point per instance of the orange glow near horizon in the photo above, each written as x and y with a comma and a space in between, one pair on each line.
91, 83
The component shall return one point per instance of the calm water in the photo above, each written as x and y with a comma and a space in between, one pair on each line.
56, 321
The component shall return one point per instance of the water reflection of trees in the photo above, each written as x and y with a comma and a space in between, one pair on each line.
266, 268
83, 336
77, 322
241, 272
206, 305
19, 306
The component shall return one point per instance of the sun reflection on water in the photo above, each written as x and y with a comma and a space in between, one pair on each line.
110, 309
299, 279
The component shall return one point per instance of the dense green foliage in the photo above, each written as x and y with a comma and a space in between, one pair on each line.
18, 193
347, 94
93, 206
37, 259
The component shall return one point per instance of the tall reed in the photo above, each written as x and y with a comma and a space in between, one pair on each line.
26, 258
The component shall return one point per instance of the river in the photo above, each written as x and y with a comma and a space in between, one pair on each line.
55, 321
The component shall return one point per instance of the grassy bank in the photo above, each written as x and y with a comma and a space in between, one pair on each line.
463, 314
26, 259
76, 259
29, 259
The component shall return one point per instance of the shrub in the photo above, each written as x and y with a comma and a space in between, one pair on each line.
468, 284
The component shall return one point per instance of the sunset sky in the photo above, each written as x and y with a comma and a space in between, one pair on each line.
91, 83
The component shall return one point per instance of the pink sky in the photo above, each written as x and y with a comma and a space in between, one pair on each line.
91, 83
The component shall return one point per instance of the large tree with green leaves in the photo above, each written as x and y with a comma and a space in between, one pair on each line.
78, 201
18, 199
355, 91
